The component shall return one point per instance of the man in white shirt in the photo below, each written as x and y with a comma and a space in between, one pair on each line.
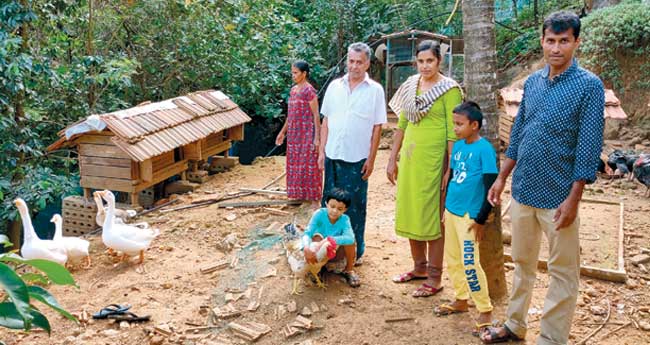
354, 108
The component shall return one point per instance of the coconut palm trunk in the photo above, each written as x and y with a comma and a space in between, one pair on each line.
481, 86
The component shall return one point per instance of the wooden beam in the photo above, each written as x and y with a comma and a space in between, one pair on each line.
263, 191
618, 276
135, 200
621, 238
107, 183
258, 203
192, 151
162, 160
146, 170
163, 174
135, 171
211, 151
236, 133
94, 139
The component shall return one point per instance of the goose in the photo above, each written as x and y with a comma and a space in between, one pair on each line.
34, 247
76, 248
125, 238
120, 215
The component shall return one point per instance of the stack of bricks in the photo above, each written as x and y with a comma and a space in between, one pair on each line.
146, 197
78, 215
199, 176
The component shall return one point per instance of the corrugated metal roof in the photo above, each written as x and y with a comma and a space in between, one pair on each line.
512, 98
150, 129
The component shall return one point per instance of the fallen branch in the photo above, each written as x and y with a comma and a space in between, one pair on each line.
398, 319
263, 191
617, 276
615, 330
170, 202
259, 203
224, 198
609, 310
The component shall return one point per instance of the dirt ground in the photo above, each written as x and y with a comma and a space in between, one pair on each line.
170, 287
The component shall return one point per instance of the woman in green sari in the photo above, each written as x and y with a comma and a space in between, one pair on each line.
421, 145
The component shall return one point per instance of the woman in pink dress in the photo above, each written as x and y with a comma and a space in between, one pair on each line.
302, 130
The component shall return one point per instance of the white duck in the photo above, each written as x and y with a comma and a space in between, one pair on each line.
125, 238
120, 215
34, 247
76, 248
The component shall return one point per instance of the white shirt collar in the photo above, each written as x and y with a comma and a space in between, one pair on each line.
346, 78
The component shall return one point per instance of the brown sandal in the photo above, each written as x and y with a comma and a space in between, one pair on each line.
426, 290
407, 277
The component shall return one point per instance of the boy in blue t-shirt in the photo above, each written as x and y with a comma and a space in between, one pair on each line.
473, 170
332, 222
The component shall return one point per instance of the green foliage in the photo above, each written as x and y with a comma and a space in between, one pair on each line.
613, 33
18, 311
521, 38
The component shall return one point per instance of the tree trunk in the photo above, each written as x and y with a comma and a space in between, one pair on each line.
90, 51
481, 86
514, 10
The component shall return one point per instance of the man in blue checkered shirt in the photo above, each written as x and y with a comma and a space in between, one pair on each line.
554, 149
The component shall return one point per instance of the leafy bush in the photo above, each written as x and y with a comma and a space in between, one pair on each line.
17, 311
612, 33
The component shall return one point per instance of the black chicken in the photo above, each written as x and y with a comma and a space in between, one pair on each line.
642, 171
622, 162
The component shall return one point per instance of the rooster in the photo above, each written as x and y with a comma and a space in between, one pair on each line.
622, 162
642, 171
325, 250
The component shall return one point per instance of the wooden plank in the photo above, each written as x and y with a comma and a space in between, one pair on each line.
211, 151
214, 139
621, 235
105, 171
236, 133
258, 203
107, 151
114, 162
135, 171
263, 191
162, 160
146, 170
618, 276
106, 183
192, 151
163, 174
95, 139
169, 171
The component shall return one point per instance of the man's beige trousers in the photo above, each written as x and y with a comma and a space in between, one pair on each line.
528, 224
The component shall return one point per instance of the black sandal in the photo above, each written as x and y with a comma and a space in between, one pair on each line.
351, 278
130, 317
496, 338
111, 309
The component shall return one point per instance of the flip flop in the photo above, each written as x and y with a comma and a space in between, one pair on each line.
446, 309
351, 278
495, 338
111, 309
426, 290
130, 317
480, 328
406, 277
